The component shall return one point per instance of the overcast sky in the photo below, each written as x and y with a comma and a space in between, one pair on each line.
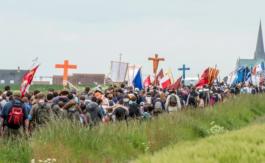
199, 33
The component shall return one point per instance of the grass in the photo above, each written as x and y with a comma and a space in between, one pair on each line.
118, 142
42, 88
245, 145
45, 88
14, 151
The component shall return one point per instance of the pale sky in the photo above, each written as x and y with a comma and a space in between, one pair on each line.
199, 33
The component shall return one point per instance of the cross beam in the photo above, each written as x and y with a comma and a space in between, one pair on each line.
184, 69
66, 66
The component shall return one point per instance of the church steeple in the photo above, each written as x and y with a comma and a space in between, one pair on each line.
259, 53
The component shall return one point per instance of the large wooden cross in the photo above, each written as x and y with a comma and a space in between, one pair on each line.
156, 61
184, 69
66, 66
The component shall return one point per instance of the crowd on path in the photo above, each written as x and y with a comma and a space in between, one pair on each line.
117, 103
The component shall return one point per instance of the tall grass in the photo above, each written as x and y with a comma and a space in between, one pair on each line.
14, 151
245, 145
119, 142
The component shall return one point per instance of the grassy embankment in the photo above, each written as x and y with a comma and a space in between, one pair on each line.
118, 143
245, 145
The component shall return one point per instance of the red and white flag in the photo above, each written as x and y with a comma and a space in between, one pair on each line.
147, 81
165, 82
159, 77
176, 85
27, 79
204, 79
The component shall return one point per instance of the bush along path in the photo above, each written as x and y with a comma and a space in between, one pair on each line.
119, 142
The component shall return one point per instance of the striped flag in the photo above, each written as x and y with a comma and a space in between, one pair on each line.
165, 82
27, 80
176, 85
158, 77
147, 81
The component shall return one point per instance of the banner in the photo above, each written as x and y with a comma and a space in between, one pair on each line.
131, 73
118, 71
137, 81
27, 80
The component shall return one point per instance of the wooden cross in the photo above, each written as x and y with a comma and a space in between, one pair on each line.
66, 66
184, 69
156, 61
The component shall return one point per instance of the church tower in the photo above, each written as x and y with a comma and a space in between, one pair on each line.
259, 53
259, 56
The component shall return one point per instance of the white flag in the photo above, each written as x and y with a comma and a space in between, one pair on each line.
118, 71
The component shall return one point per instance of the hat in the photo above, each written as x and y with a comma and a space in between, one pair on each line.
41, 96
17, 94
98, 90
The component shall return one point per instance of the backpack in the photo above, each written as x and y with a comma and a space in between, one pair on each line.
120, 114
158, 107
56, 110
134, 110
111, 103
173, 101
192, 100
42, 114
15, 117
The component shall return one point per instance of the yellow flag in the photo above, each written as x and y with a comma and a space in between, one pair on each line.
170, 75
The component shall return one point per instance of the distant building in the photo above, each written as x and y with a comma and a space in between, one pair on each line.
259, 55
81, 79
11, 76
41, 82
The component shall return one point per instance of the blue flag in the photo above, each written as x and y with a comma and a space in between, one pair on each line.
243, 74
137, 81
240, 75
262, 66
247, 75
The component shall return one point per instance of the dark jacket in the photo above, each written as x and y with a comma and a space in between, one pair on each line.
134, 110
93, 109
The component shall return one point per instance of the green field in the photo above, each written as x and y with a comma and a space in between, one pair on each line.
42, 88
245, 145
45, 88
67, 142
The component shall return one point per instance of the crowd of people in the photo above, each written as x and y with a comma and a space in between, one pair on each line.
117, 103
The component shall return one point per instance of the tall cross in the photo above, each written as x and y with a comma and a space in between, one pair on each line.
66, 66
156, 61
184, 69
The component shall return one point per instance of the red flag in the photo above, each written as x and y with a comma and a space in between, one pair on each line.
159, 76
147, 81
176, 85
165, 82
27, 79
204, 79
